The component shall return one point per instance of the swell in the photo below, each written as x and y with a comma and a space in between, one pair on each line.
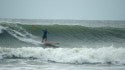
65, 34
79, 33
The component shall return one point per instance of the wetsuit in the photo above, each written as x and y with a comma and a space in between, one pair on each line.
44, 35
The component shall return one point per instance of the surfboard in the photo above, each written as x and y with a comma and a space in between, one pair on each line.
48, 44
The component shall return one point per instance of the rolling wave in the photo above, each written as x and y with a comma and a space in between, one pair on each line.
103, 55
17, 31
66, 34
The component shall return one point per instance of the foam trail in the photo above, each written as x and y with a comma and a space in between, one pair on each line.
104, 55
1, 29
20, 33
24, 38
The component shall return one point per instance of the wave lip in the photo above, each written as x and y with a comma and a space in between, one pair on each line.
104, 55
1, 29
19, 33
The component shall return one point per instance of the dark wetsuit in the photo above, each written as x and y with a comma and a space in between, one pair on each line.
45, 35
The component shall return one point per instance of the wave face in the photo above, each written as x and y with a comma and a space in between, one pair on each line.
67, 35
104, 55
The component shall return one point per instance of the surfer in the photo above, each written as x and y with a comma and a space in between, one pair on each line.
44, 38
48, 43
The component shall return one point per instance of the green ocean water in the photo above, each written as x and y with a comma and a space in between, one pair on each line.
81, 47
67, 35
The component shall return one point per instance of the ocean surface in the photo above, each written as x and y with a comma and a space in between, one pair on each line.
84, 44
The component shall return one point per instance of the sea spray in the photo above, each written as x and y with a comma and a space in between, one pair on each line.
19, 33
103, 55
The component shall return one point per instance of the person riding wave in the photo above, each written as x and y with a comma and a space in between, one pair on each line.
44, 37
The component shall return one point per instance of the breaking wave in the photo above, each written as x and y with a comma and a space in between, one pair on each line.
73, 35
103, 55
19, 33
64, 34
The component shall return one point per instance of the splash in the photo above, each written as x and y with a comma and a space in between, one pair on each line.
1, 29
19, 33
104, 55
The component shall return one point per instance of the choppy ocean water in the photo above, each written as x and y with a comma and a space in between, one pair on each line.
83, 45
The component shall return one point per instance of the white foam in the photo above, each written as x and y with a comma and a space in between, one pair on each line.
1, 56
21, 34
69, 55
1, 29
22, 37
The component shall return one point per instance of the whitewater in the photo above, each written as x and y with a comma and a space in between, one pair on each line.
102, 55
81, 47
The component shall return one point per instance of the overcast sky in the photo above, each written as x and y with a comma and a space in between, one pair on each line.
63, 9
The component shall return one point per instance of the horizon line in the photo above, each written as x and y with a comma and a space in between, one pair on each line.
64, 19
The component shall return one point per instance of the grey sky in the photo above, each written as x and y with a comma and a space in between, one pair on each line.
63, 9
